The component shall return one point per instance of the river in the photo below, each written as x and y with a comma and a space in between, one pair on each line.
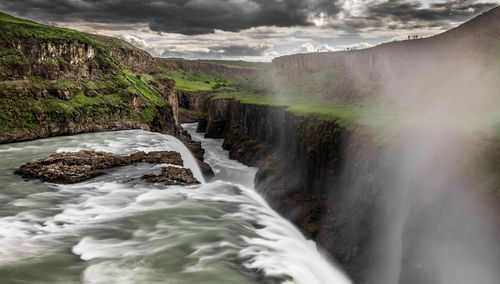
117, 228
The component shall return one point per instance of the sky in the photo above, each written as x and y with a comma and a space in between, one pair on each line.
252, 30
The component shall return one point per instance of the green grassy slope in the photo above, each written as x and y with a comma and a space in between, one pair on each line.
113, 93
197, 81
12, 27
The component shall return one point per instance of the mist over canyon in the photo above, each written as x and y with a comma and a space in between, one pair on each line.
335, 161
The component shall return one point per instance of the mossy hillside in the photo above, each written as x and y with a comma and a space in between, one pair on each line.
17, 36
324, 85
28, 104
16, 28
197, 81
13, 29
348, 114
13, 57
482, 161
190, 111
114, 92
143, 89
330, 95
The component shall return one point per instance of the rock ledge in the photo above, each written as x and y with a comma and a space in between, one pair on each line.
74, 167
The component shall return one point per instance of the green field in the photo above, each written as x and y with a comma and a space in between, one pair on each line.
196, 81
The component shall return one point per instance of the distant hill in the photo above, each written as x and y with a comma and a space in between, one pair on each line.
240, 63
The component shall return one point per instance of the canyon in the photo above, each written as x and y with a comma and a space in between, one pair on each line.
340, 185
378, 207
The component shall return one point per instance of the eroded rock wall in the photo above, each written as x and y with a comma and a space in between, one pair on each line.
50, 60
360, 200
304, 164
400, 57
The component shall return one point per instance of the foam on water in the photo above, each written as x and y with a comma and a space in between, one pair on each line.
124, 230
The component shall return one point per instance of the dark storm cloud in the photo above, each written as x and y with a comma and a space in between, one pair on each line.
408, 15
403, 12
177, 16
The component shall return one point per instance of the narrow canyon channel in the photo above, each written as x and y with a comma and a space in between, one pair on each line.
116, 228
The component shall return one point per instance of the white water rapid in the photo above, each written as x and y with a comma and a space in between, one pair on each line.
117, 228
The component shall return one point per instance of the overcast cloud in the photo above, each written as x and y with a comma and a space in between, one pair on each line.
250, 29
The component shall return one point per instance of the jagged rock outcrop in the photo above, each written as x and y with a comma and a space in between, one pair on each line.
173, 176
192, 105
74, 167
53, 58
137, 60
49, 59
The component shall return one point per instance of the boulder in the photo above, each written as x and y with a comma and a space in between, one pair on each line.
157, 157
173, 176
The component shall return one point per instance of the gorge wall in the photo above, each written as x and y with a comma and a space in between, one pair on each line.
354, 196
400, 57
403, 210
304, 163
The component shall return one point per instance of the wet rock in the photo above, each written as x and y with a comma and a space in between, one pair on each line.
206, 170
74, 167
68, 168
173, 176
198, 152
157, 157
193, 146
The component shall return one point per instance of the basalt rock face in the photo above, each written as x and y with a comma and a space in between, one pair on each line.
339, 187
304, 164
192, 105
328, 180
70, 127
71, 59
50, 60
400, 57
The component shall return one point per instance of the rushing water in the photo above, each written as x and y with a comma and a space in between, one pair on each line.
118, 229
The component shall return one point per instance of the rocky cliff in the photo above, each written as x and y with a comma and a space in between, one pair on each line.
335, 184
397, 210
300, 159
56, 81
400, 57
